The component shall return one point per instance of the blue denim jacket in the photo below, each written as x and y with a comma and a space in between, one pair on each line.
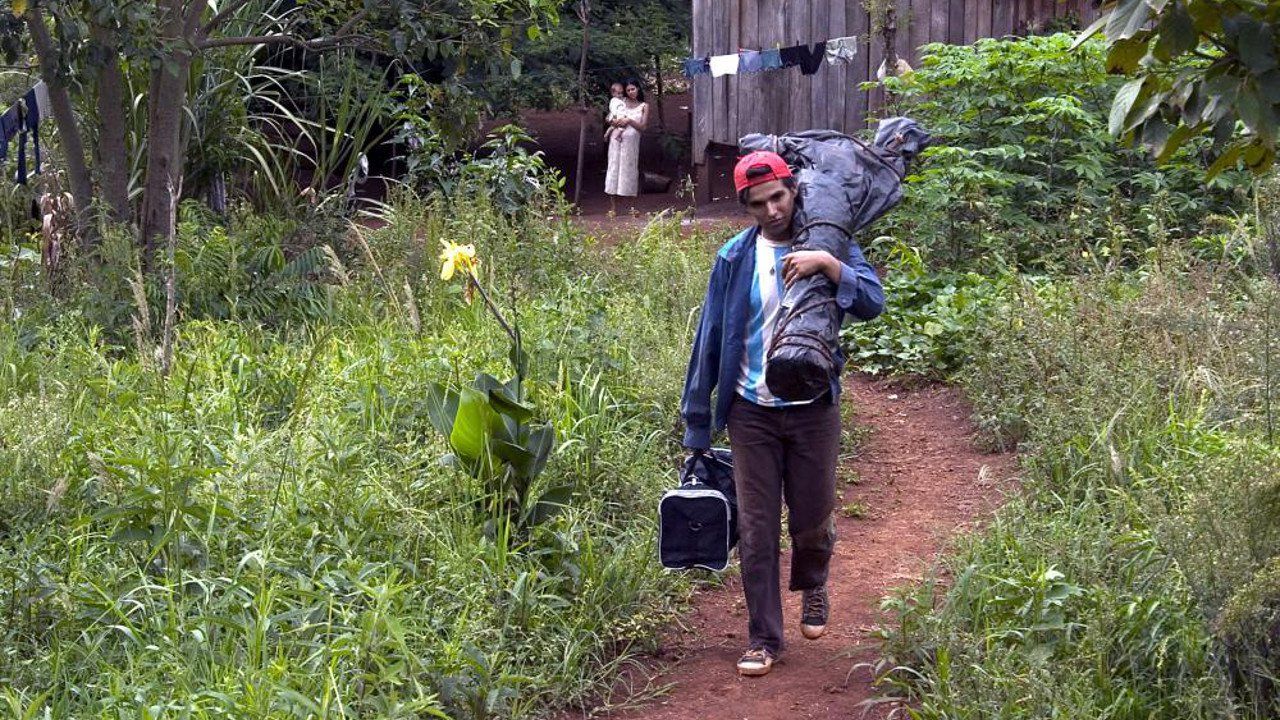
716, 359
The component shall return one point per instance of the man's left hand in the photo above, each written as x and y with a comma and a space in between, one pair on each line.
800, 264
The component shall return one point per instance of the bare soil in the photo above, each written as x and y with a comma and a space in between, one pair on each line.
921, 481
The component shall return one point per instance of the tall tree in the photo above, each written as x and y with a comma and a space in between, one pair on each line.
85, 46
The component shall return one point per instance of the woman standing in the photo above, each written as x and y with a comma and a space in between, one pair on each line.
623, 176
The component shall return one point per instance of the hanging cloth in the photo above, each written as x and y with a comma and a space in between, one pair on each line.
696, 66
722, 65
42, 100
771, 60
807, 57
33, 122
9, 124
750, 61
21, 176
842, 50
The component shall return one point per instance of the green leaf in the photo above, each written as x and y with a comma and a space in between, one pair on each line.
1256, 44
471, 425
542, 439
521, 459
505, 403
1165, 150
1123, 103
1176, 33
1127, 19
1227, 160
1089, 32
1256, 114
442, 407
1124, 55
1269, 86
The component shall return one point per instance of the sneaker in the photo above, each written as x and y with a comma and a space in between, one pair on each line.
813, 614
755, 662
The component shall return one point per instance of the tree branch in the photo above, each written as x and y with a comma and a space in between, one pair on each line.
342, 35
222, 16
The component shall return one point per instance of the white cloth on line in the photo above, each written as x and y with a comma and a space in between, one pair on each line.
722, 65
842, 50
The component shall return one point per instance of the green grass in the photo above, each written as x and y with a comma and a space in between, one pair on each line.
269, 532
1142, 404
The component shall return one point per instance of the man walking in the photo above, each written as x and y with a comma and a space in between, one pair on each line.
781, 450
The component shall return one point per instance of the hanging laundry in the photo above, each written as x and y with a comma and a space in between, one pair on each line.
790, 56
21, 176
771, 60
33, 123
807, 57
42, 99
750, 61
842, 50
9, 125
696, 66
722, 65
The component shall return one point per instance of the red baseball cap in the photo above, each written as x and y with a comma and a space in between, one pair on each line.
774, 168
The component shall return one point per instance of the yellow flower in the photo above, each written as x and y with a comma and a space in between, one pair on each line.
457, 258
19, 7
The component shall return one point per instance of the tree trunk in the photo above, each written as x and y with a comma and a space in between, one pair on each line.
657, 75
166, 98
584, 14
65, 120
112, 152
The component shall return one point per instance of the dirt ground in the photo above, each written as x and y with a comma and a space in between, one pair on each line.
921, 481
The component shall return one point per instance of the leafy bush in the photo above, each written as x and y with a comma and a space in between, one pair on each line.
503, 170
1115, 585
1026, 172
929, 322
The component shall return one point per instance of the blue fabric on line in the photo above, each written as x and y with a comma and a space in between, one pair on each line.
750, 61
696, 66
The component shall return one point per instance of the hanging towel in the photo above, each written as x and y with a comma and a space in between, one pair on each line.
771, 60
42, 100
842, 50
750, 61
722, 65
33, 124
696, 66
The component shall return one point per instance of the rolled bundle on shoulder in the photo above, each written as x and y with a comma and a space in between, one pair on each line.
844, 184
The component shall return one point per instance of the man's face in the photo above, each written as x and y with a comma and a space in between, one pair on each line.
772, 204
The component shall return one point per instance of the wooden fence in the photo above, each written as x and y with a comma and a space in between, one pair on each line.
784, 100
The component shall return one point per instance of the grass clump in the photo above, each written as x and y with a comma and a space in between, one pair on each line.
1134, 575
270, 532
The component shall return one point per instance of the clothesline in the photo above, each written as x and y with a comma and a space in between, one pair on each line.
806, 57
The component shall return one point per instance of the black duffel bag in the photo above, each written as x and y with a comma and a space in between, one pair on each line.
698, 521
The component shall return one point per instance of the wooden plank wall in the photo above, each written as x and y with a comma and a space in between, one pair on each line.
727, 108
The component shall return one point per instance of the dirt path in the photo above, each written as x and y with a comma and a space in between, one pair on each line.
920, 480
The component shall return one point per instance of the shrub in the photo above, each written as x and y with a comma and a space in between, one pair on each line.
1026, 172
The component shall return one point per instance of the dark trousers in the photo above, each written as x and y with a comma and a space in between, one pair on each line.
783, 454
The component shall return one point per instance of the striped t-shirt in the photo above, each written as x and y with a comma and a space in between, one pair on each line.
767, 289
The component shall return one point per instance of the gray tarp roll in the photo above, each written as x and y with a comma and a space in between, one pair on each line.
845, 184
